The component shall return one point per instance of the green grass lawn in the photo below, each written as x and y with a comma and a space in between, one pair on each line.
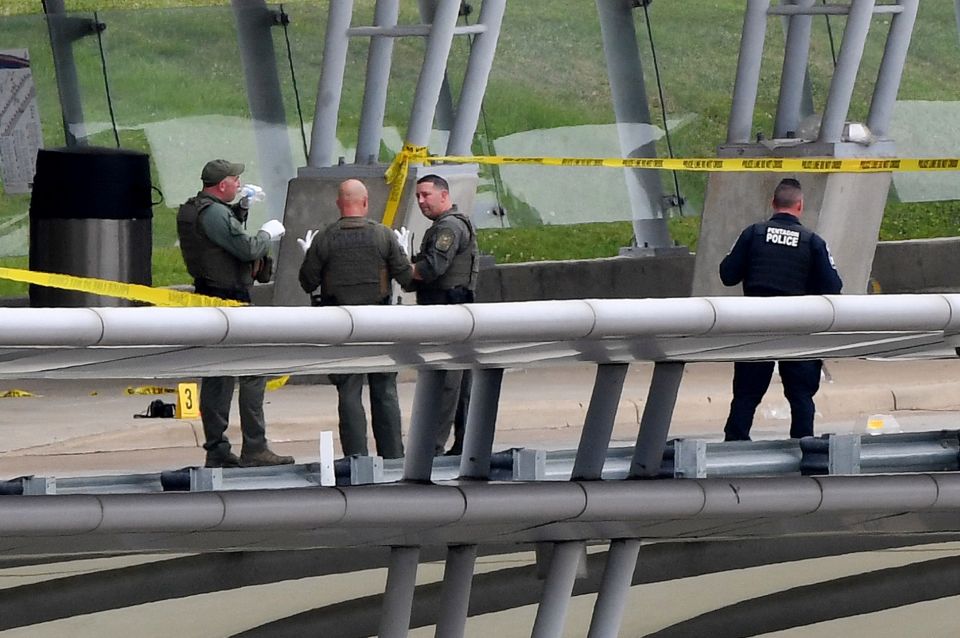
170, 59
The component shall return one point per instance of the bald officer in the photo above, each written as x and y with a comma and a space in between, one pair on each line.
352, 262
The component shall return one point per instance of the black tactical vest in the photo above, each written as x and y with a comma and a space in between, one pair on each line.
780, 259
355, 272
205, 260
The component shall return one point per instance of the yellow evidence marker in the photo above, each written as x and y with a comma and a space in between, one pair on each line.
188, 401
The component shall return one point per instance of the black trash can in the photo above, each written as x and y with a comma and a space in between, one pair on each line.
90, 216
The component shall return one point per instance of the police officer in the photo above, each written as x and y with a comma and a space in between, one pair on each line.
353, 261
445, 272
223, 261
774, 258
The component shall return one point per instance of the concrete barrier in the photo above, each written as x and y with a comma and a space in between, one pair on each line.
914, 266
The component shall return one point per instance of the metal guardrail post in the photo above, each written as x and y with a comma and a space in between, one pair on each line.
205, 479
39, 485
690, 458
365, 470
529, 465
328, 477
843, 456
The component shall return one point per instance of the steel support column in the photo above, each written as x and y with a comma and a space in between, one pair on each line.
845, 75
455, 596
64, 30
598, 423
481, 423
475, 78
956, 11
444, 113
552, 611
796, 54
424, 420
612, 597
259, 61
379, 61
432, 72
891, 67
398, 596
748, 71
324, 133
631, 108
655, 423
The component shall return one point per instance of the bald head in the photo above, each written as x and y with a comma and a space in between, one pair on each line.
352, 198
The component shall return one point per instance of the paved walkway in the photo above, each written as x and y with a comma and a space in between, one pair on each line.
84, 427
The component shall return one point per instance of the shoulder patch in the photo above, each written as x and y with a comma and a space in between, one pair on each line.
445, 239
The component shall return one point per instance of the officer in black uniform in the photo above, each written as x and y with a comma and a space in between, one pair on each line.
223, 261
445, 272
353, 261
775, 258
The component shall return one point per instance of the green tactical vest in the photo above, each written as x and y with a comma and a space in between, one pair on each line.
205, 260
464, 266
355, 272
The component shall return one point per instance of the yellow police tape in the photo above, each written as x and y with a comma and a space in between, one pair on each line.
17, 394
277, 383
132, 292
396, 174
150, 389
720, 165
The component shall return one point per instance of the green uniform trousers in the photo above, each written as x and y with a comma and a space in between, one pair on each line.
385, 409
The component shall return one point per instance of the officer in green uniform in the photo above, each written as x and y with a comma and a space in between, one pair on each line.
223, 261
445, 272
352, 262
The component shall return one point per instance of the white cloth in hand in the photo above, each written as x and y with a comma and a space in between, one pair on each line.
404, 236
273, 228
307, 240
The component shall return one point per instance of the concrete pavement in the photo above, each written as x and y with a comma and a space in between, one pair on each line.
84, 427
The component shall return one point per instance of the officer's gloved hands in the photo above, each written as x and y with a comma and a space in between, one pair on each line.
307, 240
273, 228
404, 236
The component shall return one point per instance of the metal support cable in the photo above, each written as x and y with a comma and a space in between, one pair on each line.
663, 104
285, 22
833, 48
99, 27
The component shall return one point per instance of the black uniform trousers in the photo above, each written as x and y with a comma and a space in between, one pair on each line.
801, 380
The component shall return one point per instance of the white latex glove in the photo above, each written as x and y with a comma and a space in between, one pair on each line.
404, 236
252, 192
307, 240
273, 228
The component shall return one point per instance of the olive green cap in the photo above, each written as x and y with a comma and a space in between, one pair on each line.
217, 170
